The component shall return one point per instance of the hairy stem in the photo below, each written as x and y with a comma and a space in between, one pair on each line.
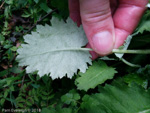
120, 51
131, 51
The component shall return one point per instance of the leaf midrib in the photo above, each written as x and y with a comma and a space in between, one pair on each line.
57, 50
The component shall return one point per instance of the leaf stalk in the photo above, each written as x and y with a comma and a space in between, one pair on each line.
131, 51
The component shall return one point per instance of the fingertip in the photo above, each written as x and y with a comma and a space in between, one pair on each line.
121, 36
103, 43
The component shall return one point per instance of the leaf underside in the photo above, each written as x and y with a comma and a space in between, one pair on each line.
55, 50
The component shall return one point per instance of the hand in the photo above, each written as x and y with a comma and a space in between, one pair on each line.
107, 23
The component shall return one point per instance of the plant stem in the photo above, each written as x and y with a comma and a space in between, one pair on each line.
118, 51
2, 4
130, 64
131, 51
22, 81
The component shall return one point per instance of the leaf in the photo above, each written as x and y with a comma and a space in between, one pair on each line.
28, 103
14, 48
144, 27
46, 110
3, 73
58, 110
140, 80
15, 69
20, 99
56, 50
97, 74
45, 7
125, 45
70, 98
118, 98
145, 23
36, 1
6, 93
144, 71
2, 101
35, 86
62, 7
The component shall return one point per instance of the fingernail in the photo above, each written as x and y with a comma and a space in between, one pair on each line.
103, 43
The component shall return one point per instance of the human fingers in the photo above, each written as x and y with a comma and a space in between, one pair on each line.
126, 18
98, 25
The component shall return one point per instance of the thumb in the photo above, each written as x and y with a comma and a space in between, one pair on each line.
98, 25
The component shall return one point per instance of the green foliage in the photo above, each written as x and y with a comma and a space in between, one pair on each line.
141, 77
34, 95
71, 98
97, 74
145, 23
117, 98
134, 77
62, 6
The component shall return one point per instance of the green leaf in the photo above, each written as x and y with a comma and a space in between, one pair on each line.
55, 50
20, 99
3, 73
144, 71
51, 96
118, 98
144, 27
97, 74
2, 39
30, 93
30, 99
13, 48
9, 2
26, 15
7, 46
35, 98
35, 85
21, 105
65, 110
130, 78
45, 7
2, 101
145, 23
15, 69
70, 98
58, 109
28, 103
36, 1
62, 7
1, 95
10, 80
6, 93
44, 97
46, 110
